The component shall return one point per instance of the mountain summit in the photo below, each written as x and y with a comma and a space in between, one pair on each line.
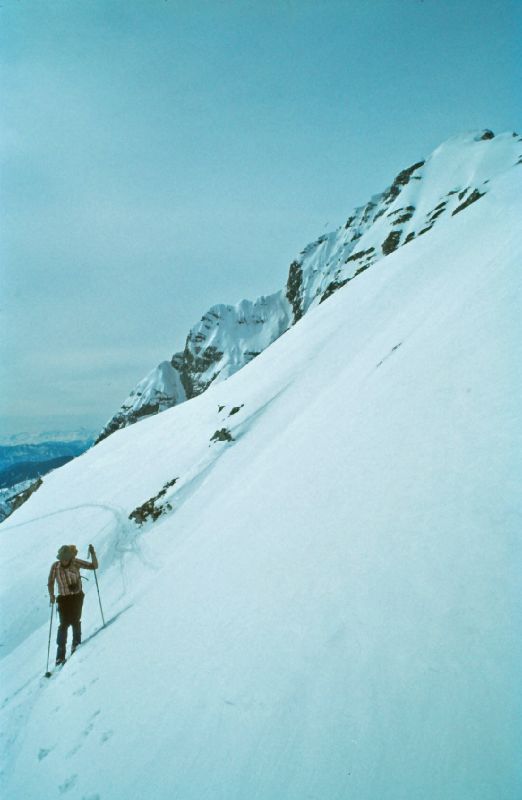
310, 571
227, 337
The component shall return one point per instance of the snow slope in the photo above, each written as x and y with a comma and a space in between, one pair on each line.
329, 606
456, 175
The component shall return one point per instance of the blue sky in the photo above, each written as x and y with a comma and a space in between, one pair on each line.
162, 156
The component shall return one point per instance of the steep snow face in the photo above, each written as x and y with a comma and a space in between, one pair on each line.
228, 337
456, 175
162, 388
328, 602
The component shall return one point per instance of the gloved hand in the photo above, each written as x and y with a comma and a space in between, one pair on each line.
92, 551
52, 599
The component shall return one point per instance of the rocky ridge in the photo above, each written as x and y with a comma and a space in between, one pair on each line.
227, 337
15, 496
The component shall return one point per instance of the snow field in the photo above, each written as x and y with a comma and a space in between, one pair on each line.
331, 608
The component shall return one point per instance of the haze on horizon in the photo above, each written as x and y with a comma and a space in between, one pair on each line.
159, 158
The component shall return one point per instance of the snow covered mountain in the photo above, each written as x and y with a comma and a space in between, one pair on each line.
310, 571
453, 177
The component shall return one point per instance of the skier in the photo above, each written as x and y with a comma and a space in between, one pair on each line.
66, 573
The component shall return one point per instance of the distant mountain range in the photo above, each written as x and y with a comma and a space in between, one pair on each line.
24, 462
48, 436
26, 470
17, 454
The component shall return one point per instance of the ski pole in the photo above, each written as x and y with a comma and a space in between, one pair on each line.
47, 673
99, 598
91, 551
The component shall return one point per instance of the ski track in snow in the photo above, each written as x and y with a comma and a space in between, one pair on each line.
125, 534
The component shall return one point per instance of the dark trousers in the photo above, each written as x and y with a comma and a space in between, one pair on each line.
70, 610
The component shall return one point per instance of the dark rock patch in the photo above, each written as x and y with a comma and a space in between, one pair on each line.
236, 409
152, 509
404, 218
294, 289
473, 197
436, 214
360, 254
201, 359
408, 214
223, 435
196, 361
391, 242
437, 211
402, 179
123, 419
369, 207
407, 209
332, 287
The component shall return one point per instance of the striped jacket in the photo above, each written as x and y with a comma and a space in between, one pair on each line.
68, 578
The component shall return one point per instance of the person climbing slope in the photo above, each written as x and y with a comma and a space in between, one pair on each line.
66, 573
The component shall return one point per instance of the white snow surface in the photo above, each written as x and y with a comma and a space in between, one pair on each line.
331, 607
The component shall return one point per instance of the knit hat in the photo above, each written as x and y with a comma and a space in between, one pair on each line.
65, 553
